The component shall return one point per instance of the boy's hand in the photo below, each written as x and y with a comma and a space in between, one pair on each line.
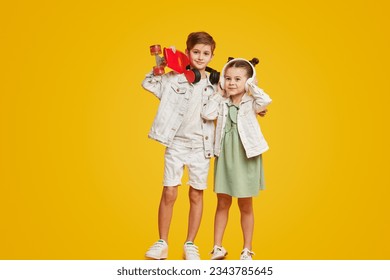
173, 48
263, 113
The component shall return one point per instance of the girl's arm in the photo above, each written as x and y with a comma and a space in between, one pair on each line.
155, 84
262, 100
210, 110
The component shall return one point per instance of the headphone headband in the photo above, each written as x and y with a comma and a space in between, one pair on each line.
250, 79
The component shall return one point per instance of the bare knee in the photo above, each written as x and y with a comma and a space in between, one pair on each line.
245, 205
169, 195
224, 202
195, 196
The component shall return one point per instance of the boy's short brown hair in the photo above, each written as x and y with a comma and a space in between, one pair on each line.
200, 38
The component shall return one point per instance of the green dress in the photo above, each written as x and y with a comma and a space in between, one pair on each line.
234, 173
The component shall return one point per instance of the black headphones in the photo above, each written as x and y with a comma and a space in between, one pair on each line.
213, 78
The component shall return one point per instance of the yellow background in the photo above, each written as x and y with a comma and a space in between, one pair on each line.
80, 179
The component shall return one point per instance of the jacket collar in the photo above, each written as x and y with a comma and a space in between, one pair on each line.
182, 79
244, 99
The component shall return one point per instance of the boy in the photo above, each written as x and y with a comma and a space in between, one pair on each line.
188, 139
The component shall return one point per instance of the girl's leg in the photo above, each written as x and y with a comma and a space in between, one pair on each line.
221, 217
195, 215
247, 220
165, 211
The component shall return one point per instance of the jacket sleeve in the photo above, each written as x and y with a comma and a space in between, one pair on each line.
210, 109
155, 84
262, 100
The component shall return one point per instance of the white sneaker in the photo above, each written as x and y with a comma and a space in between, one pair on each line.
191, 251
246, 254
158, 250
218, 253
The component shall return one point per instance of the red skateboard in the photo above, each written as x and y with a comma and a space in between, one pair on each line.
174, 59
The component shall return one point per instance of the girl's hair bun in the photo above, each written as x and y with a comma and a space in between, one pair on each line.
230, 58
254, 61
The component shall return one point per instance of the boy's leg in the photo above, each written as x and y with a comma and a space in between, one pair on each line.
173, 172
191, 251
198, 169
159, 250
221, 217
247, 220
165, 211
196, 210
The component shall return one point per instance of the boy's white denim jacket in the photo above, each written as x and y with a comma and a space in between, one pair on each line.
174, 92
248, 127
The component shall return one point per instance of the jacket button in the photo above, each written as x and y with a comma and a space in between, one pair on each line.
207, 138
208, 154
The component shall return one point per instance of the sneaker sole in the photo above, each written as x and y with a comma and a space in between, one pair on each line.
155, 258
184, 258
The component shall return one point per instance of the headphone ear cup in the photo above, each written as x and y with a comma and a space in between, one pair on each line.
197, 74
214, 77
193, 76
249, 81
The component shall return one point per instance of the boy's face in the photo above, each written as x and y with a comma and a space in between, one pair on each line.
235, 79
200, 56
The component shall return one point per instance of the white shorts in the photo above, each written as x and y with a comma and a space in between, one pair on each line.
176, 157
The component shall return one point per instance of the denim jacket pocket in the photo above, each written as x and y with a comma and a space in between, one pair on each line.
179, 90
176, 94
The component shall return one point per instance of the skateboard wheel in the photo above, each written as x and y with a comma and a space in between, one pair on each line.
158, 70
155, 49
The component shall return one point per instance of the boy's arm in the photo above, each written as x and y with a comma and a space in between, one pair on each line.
155, 84
262, 100
210, 109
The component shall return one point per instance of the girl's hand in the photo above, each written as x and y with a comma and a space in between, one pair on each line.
263, 113
221, 91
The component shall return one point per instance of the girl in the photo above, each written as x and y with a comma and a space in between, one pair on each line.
239, 144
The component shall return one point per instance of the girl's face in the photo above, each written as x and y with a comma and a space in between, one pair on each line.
235, 79
200, 55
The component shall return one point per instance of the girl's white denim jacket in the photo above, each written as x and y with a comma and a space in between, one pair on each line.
248, 127
174, 92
